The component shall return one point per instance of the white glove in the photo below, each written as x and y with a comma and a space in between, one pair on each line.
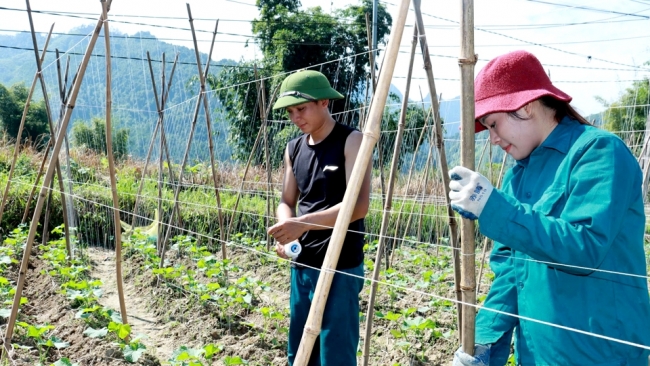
469, 192
481, 356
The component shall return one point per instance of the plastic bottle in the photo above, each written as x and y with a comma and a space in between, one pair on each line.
292, 249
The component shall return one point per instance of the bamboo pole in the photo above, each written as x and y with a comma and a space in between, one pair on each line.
195, 116
264, 125
440, 145
370, 137
248, 164
371, 54
53, 132
161, 144
22, 125
388, 205
398, 221
72, 217
11, 322
224, 252
466, 62
46, 220
106, 5
429, 157
160, 107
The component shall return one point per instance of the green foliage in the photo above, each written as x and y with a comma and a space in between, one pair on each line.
12, 104
623, 115
93, 137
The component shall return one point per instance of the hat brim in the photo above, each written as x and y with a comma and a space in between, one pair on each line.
290, 100
513, 101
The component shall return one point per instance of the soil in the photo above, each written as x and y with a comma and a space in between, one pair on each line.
168, 318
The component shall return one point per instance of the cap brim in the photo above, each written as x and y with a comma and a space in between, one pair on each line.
290, 100
512, 102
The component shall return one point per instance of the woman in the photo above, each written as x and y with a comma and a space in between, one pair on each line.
568, 228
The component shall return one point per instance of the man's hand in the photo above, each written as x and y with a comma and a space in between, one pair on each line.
469, 192
287, 231
279, 248
481, 356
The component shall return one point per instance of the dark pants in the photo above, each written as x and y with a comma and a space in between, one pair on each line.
339, 337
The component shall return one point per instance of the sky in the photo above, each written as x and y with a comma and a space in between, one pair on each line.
590, 48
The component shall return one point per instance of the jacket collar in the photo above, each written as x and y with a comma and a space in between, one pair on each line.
557, 140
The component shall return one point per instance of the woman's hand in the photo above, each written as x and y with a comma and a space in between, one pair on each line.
469, 192
481, 356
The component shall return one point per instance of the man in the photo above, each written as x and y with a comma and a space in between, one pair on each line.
318, 165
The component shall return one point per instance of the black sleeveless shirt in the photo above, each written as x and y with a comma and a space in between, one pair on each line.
320, 172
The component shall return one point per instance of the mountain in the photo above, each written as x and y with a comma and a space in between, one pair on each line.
134, 105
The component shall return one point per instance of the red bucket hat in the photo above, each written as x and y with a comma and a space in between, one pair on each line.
509, 82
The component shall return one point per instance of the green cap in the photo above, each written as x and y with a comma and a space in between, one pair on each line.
305, 86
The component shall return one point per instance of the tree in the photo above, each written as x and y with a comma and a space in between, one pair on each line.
628, 115
293, 39
93, 137
12, 104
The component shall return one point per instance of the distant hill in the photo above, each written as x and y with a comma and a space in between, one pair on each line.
134, 106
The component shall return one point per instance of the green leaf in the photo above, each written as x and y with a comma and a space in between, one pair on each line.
95, 333
58, 343
234, 360
211, 349
132, 353
64, 361
396, 333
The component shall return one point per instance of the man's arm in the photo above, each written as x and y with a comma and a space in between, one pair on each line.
289, 229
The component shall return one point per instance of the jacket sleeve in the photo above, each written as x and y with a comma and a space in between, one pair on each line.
576, 224
490, 325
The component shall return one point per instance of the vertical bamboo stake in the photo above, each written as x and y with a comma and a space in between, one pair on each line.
215, 181
160, 106
466, 62
161, 145
440, 144
22, 125
264, 125
248, 164
429, 157
46, 181
408, 185
160, 125
206, 111
371, 54
53, 132
371, 59
388, 205
370, 137
195, 116
106, 5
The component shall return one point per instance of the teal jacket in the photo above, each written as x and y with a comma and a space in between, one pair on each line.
569, 216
